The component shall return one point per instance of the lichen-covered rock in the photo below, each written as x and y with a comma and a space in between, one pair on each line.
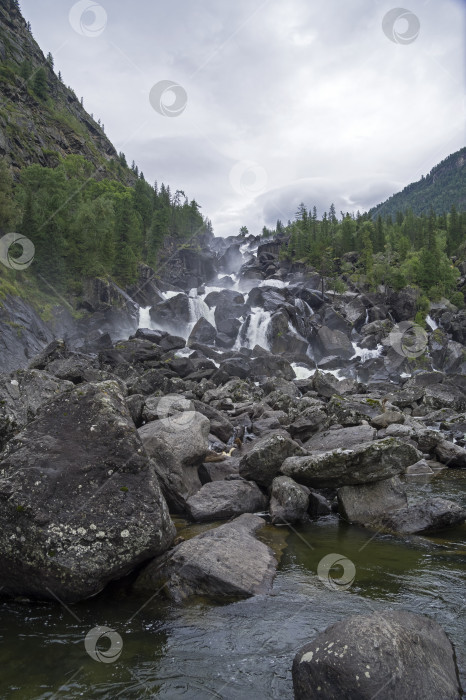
289, 501
369, 462
22, 393
225, 562
263, 461
80, 504
388, 654
178, 444
219, 500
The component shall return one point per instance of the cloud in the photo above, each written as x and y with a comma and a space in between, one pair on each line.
314, 94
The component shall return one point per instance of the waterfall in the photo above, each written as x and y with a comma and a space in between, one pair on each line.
144, 317
365, 354
256, 326
199, 309
431, 323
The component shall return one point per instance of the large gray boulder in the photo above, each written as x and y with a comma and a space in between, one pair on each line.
225, 562
366, 503
178, 444
220, 500
263, 461
21, 395
369, 462
428, 516
289, 501
343, 437
392, 654
450, 454
328, 342
80, 504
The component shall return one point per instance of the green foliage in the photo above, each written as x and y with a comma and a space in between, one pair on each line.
82, 227
443, 187
39, 84
410, 251
457, 298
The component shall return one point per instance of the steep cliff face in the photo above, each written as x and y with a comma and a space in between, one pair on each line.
37, 125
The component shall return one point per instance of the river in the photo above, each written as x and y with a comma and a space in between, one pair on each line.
244, 649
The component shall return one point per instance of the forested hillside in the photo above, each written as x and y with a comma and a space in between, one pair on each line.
410, 250
442, 188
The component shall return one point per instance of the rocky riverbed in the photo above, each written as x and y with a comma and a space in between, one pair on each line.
258, 403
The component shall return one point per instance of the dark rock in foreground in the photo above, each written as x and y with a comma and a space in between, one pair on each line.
219, 500
262, 463
225, 562
371, 461
393, 654
177, 443
367, 502
428, 516
289, 501
79, 501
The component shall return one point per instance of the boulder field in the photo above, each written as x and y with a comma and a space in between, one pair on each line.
271, 405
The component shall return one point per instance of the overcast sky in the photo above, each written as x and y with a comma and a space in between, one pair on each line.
279, 102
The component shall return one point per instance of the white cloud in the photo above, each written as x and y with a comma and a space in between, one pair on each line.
313, 92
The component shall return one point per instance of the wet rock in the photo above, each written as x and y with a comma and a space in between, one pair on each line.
289, 501
366, 503
79, 501
344, 438
220, 500
419, 468
319, 505
203, 332
388, 654
352, 410
263, 461
177, 444
403, 304
366, 463
172, 313
226, 562
328, 342
429, 516
450, 454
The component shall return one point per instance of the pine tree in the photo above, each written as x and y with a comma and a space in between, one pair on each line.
39, 84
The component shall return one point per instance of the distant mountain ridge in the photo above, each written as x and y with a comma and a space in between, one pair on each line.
443, 187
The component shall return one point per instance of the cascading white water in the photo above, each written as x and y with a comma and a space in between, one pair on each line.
280, 284
257, 330
431, 323
199, 309
144, 320
366, 354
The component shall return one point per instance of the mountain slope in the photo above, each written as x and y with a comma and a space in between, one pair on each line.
41, 118
443, 187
